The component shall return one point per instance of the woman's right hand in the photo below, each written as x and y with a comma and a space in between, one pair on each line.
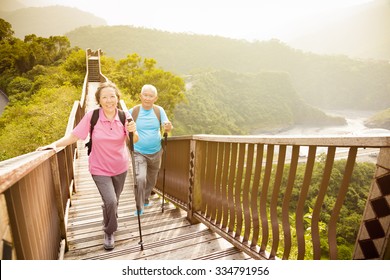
131, 126
47, 147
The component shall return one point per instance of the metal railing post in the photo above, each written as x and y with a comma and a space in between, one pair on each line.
195, 192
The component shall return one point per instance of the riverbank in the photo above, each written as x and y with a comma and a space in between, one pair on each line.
354, 126
3, 101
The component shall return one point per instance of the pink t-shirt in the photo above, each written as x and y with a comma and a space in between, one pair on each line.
109, 155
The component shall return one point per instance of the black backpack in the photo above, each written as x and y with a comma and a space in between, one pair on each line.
94, 119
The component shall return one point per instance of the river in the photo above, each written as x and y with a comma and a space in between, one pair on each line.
354, 127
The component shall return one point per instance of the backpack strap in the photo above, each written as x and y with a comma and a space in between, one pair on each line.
135, 112
94, 119
122, 116
137, 108
157, 112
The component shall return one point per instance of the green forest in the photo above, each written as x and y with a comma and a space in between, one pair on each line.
263, 102
217, 102
324, 81
44, 76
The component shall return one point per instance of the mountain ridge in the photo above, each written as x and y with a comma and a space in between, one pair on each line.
362, 33
48, 21
327, 82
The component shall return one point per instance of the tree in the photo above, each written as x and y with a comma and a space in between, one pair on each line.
132, 72
43, 90
18, 57
6, 31
40, 104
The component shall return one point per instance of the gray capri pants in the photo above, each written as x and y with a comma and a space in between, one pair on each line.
147, 168
110, 189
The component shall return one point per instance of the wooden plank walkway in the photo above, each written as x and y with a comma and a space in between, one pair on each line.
166, 236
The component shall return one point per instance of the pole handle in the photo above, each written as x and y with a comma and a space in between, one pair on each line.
131, 136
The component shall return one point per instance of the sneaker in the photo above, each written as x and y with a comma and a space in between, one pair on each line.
136, 213
148, 204
109, 242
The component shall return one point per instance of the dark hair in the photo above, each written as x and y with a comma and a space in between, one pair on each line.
106, 85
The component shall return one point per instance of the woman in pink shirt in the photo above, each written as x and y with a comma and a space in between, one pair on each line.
109, 157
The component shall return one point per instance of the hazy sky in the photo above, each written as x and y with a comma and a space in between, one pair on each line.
246, 19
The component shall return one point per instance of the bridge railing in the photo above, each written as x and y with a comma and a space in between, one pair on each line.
35, 193
248, 190
36, 189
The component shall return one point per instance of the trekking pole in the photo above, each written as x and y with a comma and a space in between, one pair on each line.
165, 158
131, 136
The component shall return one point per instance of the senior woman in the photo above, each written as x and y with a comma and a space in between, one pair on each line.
109, 157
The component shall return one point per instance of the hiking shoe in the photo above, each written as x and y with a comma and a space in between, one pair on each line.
109, 242
136, 213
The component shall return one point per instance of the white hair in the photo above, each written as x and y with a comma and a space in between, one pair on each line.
149, 87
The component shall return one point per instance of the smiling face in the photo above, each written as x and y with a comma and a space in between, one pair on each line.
108, 99
148, 97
